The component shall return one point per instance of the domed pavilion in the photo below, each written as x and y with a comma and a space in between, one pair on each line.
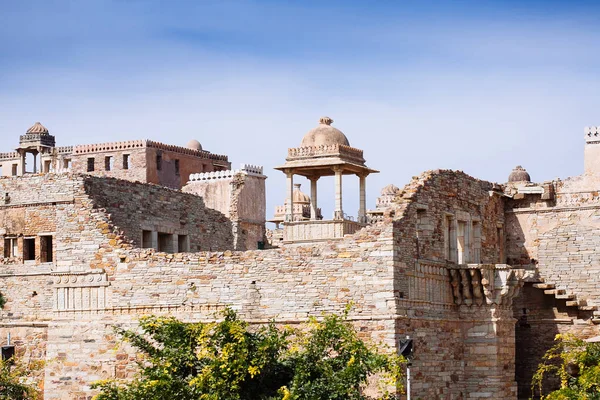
324, 151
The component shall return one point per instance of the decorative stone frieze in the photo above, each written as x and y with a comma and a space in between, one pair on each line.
83, 291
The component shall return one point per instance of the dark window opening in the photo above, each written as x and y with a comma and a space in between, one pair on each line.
29, 249
47, 165
90, 164
108, 163
183, 244
125, 161
10, 247
177, 167
165, 242
147, 240
67, 163
158, 162
14, 169
46, 255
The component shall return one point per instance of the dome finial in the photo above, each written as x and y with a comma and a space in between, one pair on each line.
325, 120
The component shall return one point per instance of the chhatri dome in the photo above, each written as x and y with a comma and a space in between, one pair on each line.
519, 174
38, 128
389, 190
324, 134
194, 145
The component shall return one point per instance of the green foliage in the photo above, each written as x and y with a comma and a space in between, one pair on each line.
227, 361
577, 364
202, 361
15, 377
332, 362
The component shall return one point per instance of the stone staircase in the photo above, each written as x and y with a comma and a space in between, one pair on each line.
570, 299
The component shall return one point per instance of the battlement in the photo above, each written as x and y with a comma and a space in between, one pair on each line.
245, 169
592, 134
9, 156
140, 144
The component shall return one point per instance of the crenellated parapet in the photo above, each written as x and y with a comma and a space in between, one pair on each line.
592, 134
485, 284
245, 169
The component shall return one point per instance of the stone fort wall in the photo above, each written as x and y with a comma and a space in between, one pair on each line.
399, 286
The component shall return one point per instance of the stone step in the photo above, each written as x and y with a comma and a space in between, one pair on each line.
597, 313
565, 296
588, 308
572, 303
550, 291
544, 285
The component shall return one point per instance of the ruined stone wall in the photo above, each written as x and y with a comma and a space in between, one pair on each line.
434, 203
134, 207
560, 239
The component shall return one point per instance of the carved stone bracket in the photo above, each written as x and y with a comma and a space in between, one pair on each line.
485, 284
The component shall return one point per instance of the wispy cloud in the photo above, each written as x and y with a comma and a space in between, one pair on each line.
481, 86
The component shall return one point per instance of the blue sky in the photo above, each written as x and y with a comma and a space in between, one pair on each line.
479, 86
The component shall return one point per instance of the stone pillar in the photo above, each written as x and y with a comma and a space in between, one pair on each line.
313, 198
362, 205
289, 209
22, 153
155, 240
339, 212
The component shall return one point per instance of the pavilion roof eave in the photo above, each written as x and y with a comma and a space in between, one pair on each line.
325, 169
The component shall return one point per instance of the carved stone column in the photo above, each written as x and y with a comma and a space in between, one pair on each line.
289, 209
362, 204
339, 212
313, 198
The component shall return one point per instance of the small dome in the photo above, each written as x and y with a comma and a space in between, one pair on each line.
389, 190
194, 145
324, 134
519, 175
298, 196
38, 128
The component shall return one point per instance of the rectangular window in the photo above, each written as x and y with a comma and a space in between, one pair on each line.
108, 163
125, 161
67, 163
165, 242
11, 247
177, 167
90, 164
158, 162
46, 254
183, 244
47, 165
14, 169
147, 240
450, 238
28, 249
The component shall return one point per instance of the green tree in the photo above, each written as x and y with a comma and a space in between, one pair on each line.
331, 362
576, 363
227, 361
15, 380
208, 361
